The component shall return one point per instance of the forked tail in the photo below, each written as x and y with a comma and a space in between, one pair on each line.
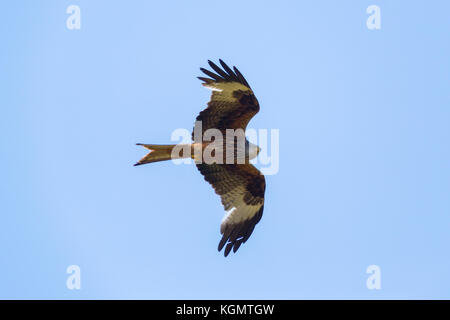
158, 152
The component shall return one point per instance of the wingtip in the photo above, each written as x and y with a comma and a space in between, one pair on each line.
206, 80
236, 246
228, 249
224, 65
221, 245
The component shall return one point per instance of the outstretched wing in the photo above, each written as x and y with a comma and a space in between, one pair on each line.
232, 102
241, 188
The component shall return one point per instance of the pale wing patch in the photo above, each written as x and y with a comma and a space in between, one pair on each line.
223, 91
239, 213
226, 86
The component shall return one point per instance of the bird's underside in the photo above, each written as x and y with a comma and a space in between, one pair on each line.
239, 184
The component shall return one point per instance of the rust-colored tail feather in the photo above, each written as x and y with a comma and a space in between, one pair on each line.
157, 153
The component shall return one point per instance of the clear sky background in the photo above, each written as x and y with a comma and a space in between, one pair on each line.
364, 149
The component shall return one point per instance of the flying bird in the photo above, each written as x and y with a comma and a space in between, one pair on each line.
239, 184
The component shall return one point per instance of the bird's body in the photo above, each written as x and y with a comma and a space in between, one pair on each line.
222, 153
229, 148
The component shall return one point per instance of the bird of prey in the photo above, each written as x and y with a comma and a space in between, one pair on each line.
239, 184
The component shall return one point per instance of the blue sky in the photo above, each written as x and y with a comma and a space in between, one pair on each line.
364, 175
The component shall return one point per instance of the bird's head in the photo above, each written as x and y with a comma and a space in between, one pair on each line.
252, 150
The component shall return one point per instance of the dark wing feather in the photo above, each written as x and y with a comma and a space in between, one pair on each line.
228, 70
241, 188
217, 69
240, 77
232, 102
211, 74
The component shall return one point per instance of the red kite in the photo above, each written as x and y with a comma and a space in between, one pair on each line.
239, 184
